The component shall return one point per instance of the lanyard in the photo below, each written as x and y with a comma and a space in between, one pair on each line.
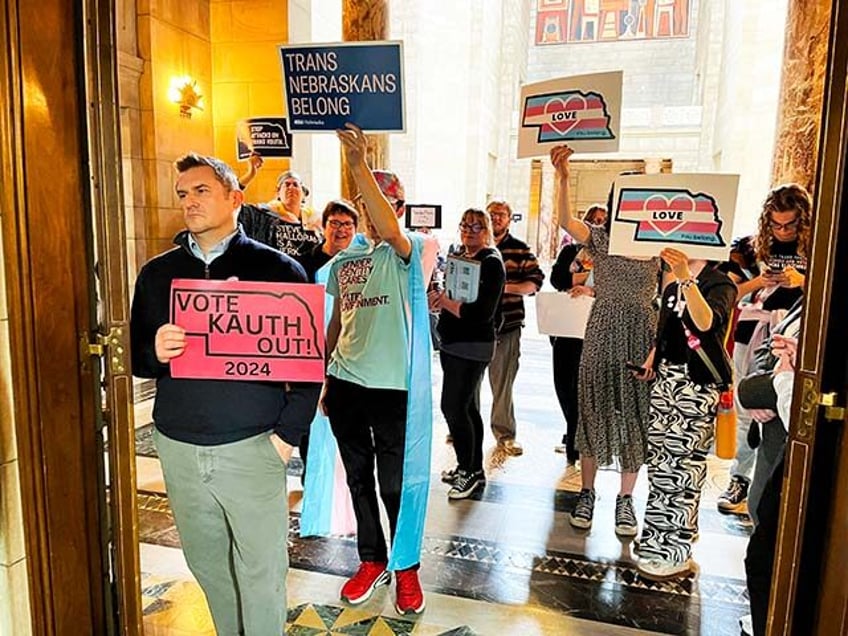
694, 343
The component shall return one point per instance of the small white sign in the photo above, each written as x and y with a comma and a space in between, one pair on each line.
563, 315
421, 215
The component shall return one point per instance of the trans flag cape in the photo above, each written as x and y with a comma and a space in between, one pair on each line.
323, 505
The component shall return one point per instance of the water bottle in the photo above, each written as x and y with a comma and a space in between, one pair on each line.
725, 433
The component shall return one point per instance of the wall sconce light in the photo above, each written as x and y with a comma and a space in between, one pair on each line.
184, 91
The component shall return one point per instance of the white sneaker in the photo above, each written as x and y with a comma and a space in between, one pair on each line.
655, 569
746, 625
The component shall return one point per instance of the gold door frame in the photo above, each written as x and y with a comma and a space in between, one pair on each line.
109, 226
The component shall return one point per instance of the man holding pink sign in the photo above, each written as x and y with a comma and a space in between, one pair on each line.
223, 443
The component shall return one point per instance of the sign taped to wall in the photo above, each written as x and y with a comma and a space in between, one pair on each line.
420, 215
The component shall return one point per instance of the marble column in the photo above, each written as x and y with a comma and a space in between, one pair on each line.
801, 92
364, 20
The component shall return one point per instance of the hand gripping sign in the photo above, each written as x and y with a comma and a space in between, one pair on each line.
238, 330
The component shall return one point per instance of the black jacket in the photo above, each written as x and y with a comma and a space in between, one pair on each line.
314, 260
211, 412
561, 274
720, 293
478, 321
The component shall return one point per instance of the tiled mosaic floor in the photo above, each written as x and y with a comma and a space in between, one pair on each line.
167, 604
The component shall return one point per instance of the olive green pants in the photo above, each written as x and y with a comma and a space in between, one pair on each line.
231, 510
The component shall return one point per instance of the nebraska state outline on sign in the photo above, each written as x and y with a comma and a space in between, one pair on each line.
671, 215
690, 212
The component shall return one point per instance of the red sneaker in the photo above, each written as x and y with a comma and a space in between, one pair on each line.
410, 598
361, 585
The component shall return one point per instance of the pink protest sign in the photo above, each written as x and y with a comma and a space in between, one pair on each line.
239, 330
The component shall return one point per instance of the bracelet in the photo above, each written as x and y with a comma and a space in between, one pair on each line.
686, 284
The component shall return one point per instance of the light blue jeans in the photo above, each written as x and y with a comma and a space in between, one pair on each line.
743, 463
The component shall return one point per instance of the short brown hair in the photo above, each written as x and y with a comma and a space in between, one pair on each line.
339, 206
223, 173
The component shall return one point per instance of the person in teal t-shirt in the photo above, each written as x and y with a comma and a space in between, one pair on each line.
378, 342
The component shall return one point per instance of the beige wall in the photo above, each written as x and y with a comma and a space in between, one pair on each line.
246, 79
173, 40
14, 592
229, 48
744, 125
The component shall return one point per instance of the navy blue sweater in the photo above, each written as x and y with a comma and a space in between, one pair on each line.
210, 412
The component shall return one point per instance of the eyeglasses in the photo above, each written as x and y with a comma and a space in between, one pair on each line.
473, 228
791, 225
337, 225
499, 215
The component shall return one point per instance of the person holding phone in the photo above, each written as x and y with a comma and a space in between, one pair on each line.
769, 271
690, 368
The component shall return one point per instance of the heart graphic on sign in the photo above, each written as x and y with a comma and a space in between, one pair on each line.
660, 202
556, 105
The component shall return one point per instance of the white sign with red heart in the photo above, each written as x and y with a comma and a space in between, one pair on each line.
583, 111
690, 212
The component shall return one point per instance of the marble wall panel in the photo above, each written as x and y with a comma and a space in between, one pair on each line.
11, 514
801, 92
14, 600
190, 16
266, 98
262, 20
247, 79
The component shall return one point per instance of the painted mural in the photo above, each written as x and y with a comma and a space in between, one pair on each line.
574, 21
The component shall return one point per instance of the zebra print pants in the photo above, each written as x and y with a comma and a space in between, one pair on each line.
680, 434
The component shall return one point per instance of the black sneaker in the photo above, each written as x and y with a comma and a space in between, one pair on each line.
735, 498
625, 516
465, 484
581, 516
